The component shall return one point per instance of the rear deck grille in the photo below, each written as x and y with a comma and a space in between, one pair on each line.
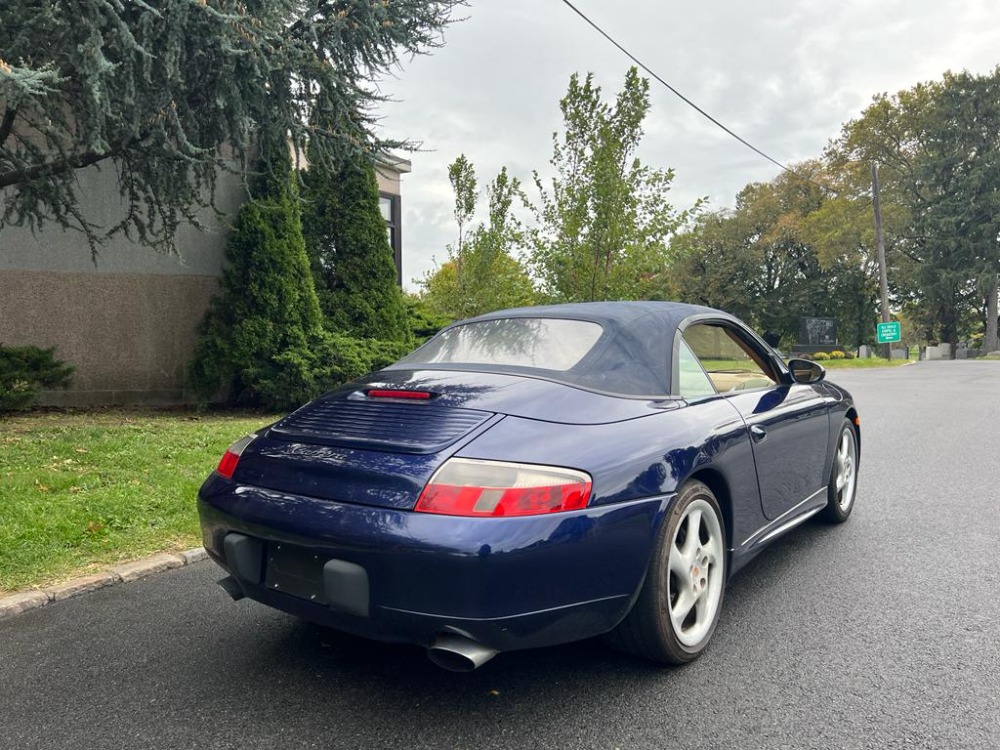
406, 428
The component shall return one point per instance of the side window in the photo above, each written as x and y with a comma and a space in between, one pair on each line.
694, 383
732, 364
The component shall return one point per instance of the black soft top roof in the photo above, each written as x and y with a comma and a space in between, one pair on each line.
633, 356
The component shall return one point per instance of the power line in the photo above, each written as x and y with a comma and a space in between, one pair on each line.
690, 103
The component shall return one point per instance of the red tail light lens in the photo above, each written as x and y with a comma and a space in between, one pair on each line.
227, 466
471, 487
391, 393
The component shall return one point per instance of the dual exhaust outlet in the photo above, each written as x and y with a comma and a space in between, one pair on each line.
450, 651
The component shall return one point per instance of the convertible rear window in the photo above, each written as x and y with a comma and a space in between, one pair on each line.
545, 343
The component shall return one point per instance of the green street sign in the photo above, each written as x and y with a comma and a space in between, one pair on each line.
888, 333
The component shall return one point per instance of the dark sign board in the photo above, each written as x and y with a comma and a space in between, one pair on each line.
818, 332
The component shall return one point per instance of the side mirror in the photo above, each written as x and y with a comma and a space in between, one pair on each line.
805, 371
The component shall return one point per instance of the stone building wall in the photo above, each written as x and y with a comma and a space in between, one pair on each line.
127, 320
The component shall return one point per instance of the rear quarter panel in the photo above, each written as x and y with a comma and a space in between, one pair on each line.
643, 457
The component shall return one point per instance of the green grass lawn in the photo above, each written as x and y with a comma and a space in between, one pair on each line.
83, 490
854, 364
829, 364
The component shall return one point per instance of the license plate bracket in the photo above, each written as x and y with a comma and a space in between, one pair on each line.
295, 570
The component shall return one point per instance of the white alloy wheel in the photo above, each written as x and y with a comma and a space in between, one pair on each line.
695, 580
844, 475
675, 614
842, 489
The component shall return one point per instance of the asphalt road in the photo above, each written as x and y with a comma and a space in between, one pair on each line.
882, 633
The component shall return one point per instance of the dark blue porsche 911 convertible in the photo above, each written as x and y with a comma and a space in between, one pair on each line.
537, 476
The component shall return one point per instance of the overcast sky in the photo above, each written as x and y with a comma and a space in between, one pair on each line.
784, 74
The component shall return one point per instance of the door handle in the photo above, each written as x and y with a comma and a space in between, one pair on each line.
758, 433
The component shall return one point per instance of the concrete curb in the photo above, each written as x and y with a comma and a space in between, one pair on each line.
15, 604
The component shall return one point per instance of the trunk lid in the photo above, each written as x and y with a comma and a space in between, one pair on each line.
348, 447
401, 427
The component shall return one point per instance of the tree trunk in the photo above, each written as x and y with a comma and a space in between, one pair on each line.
990, 343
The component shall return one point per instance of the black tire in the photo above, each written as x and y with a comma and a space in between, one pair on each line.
649, 630
840, 497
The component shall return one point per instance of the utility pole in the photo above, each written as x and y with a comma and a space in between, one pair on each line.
880, 245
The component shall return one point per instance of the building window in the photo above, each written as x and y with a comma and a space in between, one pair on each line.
389, 206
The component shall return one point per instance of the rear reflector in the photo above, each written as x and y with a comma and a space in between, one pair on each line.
411, 395
471, 487
227, 465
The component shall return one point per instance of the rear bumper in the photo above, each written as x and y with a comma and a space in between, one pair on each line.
394, 575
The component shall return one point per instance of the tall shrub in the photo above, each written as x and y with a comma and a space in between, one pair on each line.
260, 337
352, 261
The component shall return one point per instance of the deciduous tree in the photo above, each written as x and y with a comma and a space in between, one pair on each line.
462, 176
603, 218
757, 260
487, 274
940, 143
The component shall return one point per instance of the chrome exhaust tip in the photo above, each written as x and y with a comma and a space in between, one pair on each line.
232, 587
459, 654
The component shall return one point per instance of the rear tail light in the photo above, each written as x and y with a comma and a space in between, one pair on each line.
400, 394
471, 487
227, 465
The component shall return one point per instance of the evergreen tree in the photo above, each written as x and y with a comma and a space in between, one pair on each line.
165, 91
424, 321
26, 369
352, 261
261, 335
